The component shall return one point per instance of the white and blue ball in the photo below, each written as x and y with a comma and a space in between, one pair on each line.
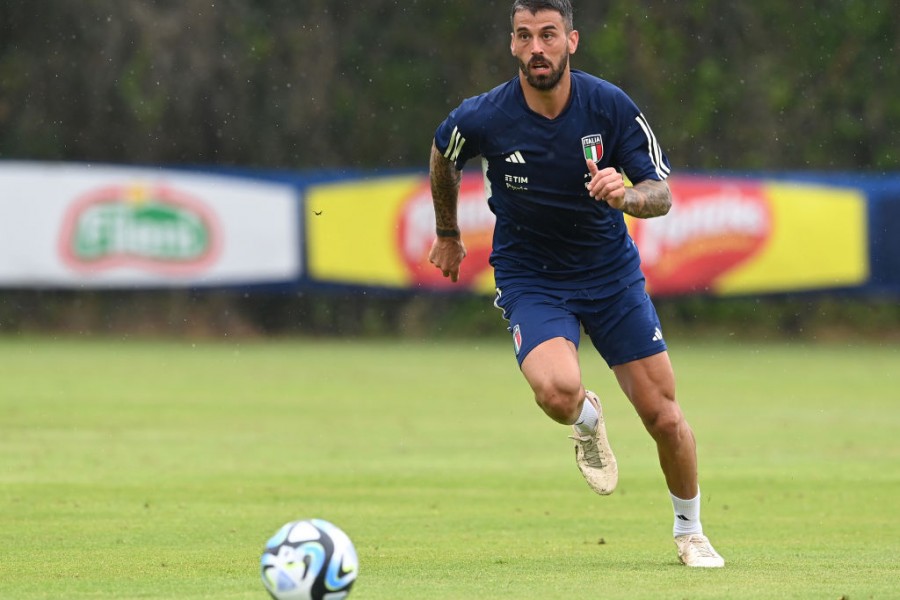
309, 560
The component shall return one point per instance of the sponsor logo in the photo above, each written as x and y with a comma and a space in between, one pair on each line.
153, 228
657, 335
415, 234
516, 157
714, 226
517, 183
593, 147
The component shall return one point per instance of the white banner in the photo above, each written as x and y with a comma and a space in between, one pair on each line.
83, 226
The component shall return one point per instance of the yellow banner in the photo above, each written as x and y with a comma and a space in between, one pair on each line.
724, 236
379, 232
351, 231
735, 236
819, 239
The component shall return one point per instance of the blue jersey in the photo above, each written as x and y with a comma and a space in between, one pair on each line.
547, 226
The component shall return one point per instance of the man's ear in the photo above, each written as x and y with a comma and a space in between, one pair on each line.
573, 41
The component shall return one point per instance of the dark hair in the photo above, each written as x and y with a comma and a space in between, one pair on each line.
563, 7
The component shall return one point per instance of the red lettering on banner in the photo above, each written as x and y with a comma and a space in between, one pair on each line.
714, 226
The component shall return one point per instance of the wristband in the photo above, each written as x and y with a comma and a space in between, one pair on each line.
447, 232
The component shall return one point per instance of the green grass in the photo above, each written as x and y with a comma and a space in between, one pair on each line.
137, 469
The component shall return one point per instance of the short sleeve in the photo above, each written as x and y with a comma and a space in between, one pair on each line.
640, 155
457, 138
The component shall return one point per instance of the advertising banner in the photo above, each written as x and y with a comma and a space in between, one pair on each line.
102, 226
723, 236
734, 236
84, 226
378, 232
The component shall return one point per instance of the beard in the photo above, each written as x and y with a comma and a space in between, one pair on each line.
544, 82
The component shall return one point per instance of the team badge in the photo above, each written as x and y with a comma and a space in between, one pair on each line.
517, 338
593, 147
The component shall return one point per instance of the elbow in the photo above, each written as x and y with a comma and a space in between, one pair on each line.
666, 205
665, 199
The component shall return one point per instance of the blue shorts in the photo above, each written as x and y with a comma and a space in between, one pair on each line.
622, 323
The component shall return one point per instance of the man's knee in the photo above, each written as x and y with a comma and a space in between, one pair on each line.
666, 422
554, 375
560, 400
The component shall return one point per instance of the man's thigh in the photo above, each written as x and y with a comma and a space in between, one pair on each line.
552, 367
536, 316
649, 383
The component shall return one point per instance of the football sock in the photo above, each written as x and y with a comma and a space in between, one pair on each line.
587, 421
687, 515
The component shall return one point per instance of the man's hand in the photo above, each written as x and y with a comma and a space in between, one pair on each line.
446, 254
607, 185
648, 198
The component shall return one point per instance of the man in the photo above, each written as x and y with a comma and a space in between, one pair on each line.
554, 143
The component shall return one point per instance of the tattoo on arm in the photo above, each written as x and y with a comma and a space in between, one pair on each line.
445, 178
649, 198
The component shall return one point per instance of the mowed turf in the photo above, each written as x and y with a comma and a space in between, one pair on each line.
134, 469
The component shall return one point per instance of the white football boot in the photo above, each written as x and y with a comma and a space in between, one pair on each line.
694, 550
594, 456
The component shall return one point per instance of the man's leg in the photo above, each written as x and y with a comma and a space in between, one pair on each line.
552, 370
554, 375
649, 384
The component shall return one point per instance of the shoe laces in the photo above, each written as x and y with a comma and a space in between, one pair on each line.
701, 546
589, 449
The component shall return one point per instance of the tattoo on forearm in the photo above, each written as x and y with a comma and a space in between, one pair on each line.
445, 178
649, 198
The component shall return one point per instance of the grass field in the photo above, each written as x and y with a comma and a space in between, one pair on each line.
133, 469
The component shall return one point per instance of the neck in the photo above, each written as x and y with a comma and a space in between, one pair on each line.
547, 103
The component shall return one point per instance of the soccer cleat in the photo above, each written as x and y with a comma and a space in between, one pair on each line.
694, 550
593, 455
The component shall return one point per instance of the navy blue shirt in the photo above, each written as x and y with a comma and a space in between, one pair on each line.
547, 226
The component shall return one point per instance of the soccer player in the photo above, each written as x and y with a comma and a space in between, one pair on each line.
555, 143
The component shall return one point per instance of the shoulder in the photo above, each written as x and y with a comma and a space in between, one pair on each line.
474, 126
601, 94
594, 84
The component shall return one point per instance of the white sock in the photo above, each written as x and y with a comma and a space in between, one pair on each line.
687, 515
587, 421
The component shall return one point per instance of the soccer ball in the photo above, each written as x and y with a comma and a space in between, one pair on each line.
309, 560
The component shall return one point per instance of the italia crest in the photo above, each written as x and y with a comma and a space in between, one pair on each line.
517, 338
593, 147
